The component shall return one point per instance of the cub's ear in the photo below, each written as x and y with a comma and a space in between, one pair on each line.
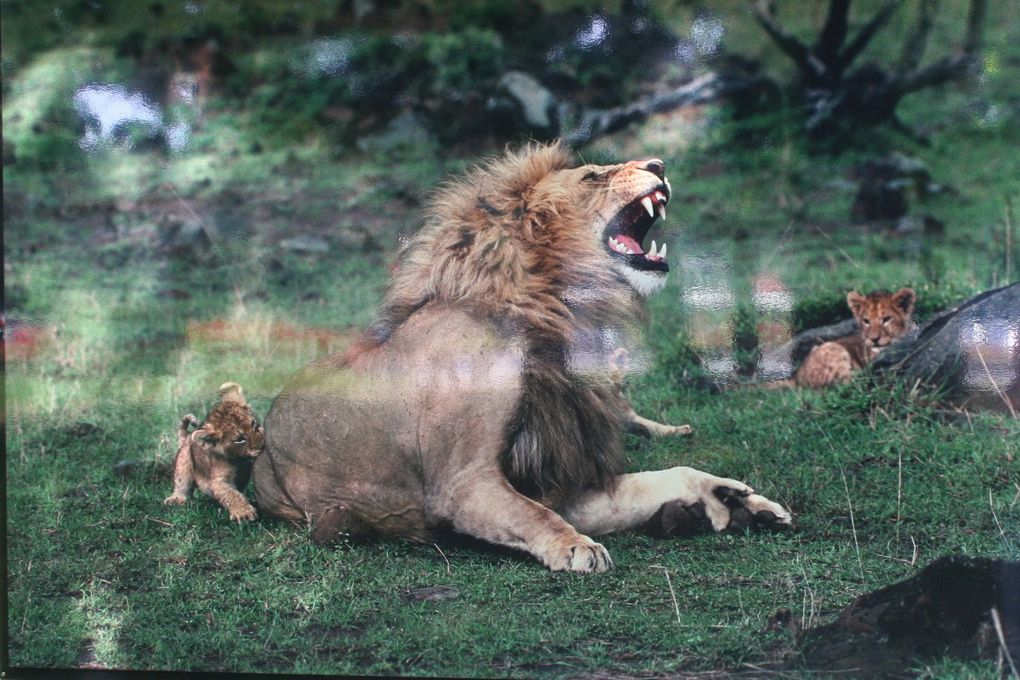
231, 391
204, 435
904, 299
854, 300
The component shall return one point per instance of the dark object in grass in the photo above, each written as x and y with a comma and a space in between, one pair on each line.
945, 609
125, 467
432, 593
882, 187
970, 353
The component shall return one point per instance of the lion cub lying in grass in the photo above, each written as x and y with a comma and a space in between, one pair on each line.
881, 317
217, 457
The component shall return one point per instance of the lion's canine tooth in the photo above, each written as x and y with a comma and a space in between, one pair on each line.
647, 202
662, 253
651, 253
662, 210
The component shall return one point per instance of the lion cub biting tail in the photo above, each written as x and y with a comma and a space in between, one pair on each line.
217, 457
881, 317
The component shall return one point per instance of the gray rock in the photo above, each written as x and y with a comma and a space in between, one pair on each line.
538, 105
182, 238
782, 361
432, 593
969, 353
406, 130
305, 244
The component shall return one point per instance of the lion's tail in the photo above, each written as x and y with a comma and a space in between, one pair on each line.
184, 429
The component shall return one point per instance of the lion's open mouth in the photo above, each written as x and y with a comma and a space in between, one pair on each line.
626, 232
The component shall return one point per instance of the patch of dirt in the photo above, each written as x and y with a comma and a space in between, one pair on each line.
87, 656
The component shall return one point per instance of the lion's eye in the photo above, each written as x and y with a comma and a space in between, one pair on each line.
590, 176
886, 319
866, 321
241, 439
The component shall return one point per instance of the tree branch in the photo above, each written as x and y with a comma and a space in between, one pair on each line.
806, 60
833, 33
974, 40
868, 32
953, 66
917, 41
706, 88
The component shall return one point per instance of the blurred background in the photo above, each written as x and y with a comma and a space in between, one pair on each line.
250, 168
199, 191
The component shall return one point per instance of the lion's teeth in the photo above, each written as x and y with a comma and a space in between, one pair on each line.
647, 202
662, 210
662, 253
659, 196
651, 253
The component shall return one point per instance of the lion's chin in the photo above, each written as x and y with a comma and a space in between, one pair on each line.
644, 282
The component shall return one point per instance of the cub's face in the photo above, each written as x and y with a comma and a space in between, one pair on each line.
231, 430
881, 316
625, 201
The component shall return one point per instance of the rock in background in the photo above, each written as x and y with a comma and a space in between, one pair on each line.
970, 353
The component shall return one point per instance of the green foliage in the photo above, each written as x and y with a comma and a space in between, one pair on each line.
745, 338
820, 309
465, 60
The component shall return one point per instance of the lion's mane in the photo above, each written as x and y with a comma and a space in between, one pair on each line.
511, 242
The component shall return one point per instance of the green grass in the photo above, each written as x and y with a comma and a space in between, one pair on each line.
101, 573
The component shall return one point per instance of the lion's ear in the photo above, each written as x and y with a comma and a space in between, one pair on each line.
854, 300
904, 299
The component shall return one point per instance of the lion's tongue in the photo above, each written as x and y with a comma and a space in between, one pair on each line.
629, 243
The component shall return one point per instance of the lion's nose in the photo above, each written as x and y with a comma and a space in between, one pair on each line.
656, 167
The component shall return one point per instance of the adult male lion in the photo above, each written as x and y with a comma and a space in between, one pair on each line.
482, 398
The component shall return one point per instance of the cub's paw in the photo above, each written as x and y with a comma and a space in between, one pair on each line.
583, 556
175, 499
677, 430
243, 514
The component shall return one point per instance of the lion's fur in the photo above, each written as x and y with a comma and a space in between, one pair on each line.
510, 242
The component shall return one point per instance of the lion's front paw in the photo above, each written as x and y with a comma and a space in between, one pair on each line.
245, 513
749, 510
733, 505
583, 556
706, 502
175, 499
676, 430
